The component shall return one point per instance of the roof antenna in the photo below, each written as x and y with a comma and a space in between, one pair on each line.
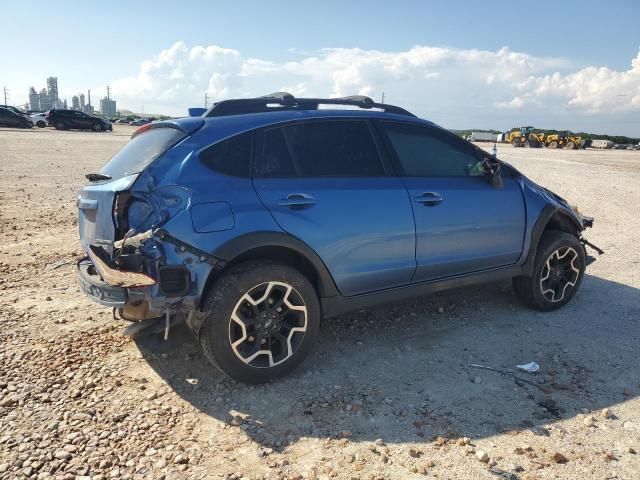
382, 101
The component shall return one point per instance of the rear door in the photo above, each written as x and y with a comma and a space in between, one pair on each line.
9, 118
463, 223
325, 183
5, 118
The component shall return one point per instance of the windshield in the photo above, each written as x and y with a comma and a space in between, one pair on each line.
141, 151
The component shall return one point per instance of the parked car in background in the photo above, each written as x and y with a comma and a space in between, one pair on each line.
15, 110
74, 119
39, 119
254, 221
9, 118
140, 122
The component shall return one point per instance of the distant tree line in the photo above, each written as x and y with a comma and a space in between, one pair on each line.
584, 135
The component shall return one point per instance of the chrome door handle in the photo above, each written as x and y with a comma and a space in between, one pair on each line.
297, 200
429, 198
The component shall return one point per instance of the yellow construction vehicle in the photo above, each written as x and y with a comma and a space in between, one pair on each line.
525, 137
563, 139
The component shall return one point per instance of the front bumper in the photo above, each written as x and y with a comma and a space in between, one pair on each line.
97, 289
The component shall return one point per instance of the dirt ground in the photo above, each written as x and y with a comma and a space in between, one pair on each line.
387, 394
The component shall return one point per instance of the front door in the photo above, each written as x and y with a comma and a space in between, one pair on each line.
82, 121
325, 183
463, 223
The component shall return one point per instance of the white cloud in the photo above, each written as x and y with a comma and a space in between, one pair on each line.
455, 87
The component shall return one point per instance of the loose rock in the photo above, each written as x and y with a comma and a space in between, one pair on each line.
482, 456
559, 458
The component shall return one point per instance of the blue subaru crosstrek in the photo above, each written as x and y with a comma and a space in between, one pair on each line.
257, 219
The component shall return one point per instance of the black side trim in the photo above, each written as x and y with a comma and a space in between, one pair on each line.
250, 241
212, 260
334, 306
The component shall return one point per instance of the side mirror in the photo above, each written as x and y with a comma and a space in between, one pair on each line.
496, 180
491, 169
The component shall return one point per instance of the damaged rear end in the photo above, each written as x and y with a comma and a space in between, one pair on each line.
130, 265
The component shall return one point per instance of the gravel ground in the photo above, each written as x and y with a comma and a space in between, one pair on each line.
387, 394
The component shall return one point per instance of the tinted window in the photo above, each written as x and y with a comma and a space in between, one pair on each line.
321, 149
426, 152
276, 161
231, 156
141, 151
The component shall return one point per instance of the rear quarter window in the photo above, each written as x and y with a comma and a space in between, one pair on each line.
230, 157
141, 151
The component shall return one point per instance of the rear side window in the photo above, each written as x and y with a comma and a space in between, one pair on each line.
231, 156
426, 152
141, 151
321, 149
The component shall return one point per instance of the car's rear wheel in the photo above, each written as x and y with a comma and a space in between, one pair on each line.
97, 127
261, 321
60, 125
41, 124
557, 272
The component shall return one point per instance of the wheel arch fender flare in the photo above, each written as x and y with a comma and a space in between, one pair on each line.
256, 244
551, 218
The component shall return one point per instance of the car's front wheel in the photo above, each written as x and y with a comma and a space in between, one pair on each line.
41, 124
557, 272
97, 127
261, 321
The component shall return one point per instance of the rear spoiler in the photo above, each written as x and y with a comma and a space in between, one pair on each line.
186, 125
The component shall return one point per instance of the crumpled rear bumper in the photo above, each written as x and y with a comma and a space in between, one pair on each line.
109, 286
97, 289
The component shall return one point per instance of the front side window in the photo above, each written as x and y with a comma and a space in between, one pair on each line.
427, 152
231, 156
321, 149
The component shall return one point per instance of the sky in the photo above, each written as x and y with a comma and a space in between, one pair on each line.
493, 64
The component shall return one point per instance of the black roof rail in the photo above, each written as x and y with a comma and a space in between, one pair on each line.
279, 101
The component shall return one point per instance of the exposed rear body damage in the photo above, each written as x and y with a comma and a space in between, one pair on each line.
172, 222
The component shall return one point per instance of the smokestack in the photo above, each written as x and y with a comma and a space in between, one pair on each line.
89, 96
